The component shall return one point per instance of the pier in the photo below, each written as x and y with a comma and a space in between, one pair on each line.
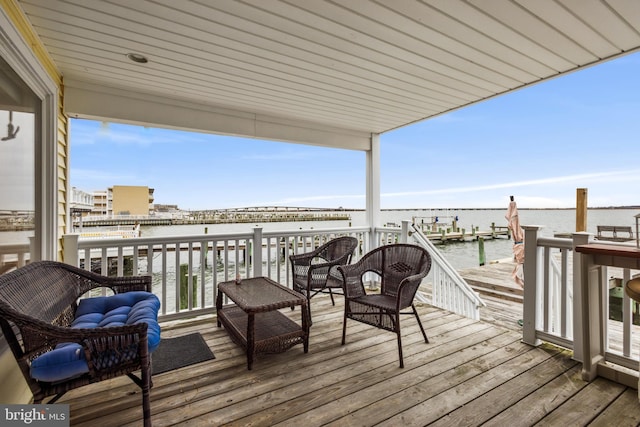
437, 232
221, 216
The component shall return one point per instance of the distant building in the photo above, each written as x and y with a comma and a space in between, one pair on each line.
131, 200
160, 208
121, 200
81, 201
101, 203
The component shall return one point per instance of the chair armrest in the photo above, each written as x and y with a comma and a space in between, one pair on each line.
107, 348
352, 284
314, 275
328, 264
407, 289
305, 257
312, 269
103, 351
97, 339
119, 284
130, 283
304, 265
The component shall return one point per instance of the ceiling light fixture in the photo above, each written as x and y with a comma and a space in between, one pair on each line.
136, 57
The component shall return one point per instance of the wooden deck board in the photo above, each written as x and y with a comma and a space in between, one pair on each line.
384, 384
532, 408
470, 373
616, 414
585, 405
492, 371
490, 404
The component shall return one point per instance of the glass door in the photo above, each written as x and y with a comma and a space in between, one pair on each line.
19, 115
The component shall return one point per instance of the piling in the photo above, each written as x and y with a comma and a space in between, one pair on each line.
184, 286
481, 254
581, 209
206, 249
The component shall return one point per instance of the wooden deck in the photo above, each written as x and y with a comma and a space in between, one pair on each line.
471, 373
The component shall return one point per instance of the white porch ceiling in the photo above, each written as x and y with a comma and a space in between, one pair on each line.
331, 72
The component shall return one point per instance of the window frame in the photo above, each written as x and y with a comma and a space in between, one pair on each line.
20, 57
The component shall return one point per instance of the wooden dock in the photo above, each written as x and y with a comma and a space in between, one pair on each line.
226, 216
441, 234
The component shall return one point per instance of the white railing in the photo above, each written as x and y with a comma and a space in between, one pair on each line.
201, 262
449, 290
550, 311
554, 310
14, 255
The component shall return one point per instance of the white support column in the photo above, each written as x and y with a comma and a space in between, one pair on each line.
373, 188
580, 238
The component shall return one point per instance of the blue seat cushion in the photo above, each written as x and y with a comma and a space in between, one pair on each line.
68, 360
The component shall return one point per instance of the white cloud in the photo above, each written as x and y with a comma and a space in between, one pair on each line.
616, 176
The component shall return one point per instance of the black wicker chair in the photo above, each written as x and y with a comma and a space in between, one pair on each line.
315, 272
401, 268
38, 303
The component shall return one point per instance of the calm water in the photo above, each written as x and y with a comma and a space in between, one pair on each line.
460, 254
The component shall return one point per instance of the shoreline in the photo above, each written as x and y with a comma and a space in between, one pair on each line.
505, 208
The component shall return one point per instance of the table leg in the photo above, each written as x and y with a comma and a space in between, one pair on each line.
218, 307
306, 321
250, 339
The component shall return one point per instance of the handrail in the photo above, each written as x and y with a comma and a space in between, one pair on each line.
555, 308
549, 301
176, 263
450, 278
14, 255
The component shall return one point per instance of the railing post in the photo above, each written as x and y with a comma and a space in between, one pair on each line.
32, 249
404, 234
532, 293
257, 252
580, 238
70, 249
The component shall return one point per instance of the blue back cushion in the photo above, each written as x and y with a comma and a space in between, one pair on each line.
68, 360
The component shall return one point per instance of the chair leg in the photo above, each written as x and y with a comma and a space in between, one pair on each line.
400, 349
331, 295
399, 334
146, 388
415, 312
344, 323
146, 408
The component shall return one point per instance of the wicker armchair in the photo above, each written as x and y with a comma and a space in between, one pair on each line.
401, 268
315, 272
37, 305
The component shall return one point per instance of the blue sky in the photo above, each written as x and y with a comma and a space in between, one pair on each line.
539, 144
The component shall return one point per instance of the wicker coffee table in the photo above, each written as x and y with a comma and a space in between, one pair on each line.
254, 321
